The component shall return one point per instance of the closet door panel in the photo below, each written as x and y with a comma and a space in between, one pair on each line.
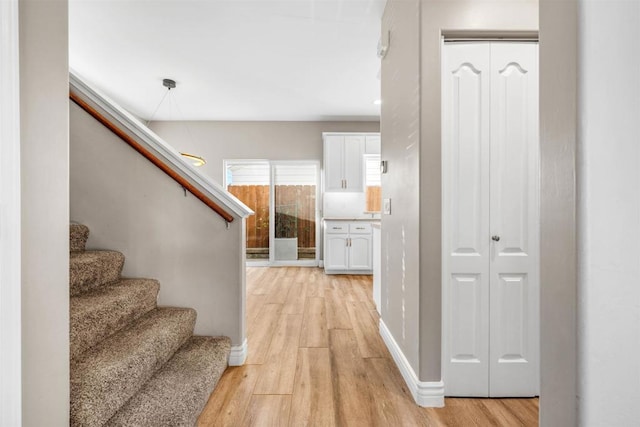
465, 154
514, 219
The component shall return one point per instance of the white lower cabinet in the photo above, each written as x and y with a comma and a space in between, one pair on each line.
336, 256
348, 247
360, 252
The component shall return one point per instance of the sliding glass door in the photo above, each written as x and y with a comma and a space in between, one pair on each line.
294, 211
250, 181
284, 196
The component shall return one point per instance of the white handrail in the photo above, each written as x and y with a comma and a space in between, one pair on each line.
156, 145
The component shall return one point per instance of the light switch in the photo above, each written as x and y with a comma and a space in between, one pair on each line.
386, 206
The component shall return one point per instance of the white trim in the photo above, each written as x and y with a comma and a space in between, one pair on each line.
324, 134
356, 272
157, 146
258, 263
238, 354
10, 226
426, 394
296, 263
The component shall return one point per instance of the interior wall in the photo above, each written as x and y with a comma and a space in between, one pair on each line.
218, 141
558, 290
400, 134
133, 207
608, 174
438, 16
44, 94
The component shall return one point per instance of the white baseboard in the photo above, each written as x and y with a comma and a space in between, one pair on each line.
238, 354
426, 394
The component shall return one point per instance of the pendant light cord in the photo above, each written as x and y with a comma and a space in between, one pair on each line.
158, 107
184, 123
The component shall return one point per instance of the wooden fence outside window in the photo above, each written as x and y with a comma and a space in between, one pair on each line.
303, 197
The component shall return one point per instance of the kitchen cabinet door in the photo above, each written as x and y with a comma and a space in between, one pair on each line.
360, 249
336, 252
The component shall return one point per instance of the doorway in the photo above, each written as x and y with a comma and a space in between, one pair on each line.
490, 235
283, 194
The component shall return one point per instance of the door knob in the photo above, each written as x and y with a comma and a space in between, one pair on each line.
495, 238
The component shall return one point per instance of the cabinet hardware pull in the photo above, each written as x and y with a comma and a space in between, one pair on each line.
337, 228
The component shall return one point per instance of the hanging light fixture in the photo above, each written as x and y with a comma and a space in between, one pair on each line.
193, 159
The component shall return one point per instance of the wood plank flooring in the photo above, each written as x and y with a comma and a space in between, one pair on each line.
316, 359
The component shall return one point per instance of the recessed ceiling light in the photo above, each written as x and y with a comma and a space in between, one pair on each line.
377, 102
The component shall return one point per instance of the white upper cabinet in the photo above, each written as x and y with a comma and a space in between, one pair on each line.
343, 162
333, 163
353, 169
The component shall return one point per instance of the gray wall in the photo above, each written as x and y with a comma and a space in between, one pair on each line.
410, 128
558, 291
590, 208
608, 176
438, 16
133, 207
44, 120
217, 141
400, 128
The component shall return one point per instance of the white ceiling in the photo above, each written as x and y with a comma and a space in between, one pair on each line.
232, 60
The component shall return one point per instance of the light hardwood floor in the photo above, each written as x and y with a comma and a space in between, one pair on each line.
316, 359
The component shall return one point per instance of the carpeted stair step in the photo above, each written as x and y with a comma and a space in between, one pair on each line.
177, 393
78, 235
99, 313
109, 374
91, 269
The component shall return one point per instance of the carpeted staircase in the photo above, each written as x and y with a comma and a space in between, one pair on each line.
133, 363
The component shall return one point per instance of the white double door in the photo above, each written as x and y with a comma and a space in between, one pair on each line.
490, 219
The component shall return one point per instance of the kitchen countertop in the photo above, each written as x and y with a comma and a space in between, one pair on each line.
341, 218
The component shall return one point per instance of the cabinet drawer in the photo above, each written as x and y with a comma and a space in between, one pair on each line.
360, 228
336, 227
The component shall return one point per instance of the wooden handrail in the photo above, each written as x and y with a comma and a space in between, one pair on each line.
149, 156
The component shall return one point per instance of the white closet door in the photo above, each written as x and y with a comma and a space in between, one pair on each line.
490, 219
466, 244
514, 220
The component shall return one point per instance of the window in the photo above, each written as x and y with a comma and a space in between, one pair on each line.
372, 182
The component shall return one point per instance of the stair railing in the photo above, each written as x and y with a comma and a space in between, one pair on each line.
155, 149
